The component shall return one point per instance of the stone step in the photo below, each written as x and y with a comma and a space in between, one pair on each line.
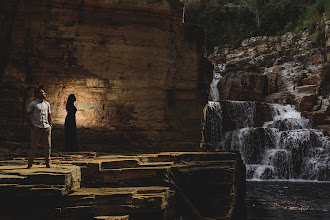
123, 217
222, 163
205, 156
156, 164
118, 163
141, 176
153, 174
179, 157
138, 186
162, 157
119, 171
137, 202
63, 178
104, 163
75, 155
33, 193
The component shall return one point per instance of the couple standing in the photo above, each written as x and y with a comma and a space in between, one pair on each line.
39, 118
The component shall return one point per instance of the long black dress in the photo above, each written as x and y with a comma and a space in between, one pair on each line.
71, 143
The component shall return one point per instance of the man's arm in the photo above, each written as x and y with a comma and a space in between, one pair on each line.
29, 111
49, 115
50, 119
28, 119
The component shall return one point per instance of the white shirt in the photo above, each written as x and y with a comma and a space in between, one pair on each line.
39, 111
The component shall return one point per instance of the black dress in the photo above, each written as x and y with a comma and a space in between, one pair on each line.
71, 143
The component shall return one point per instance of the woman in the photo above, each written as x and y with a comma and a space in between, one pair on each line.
71, 143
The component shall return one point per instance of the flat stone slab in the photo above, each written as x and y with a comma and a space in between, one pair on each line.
141, 176
123, 202
59, 179
111, 170
139, 186
124, 217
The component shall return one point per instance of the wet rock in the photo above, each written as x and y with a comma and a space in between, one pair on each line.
288, 69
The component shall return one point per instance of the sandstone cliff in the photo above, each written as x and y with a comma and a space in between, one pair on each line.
292, 69
138, 72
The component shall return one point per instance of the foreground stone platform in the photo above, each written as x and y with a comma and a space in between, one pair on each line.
61, 179
88, 185
138, 202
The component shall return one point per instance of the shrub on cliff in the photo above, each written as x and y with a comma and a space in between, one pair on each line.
231, 21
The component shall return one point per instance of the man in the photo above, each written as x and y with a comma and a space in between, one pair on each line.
39, 119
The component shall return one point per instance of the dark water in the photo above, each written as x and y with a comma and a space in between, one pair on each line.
288, 200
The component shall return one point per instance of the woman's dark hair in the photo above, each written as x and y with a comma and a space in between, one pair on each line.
70, 100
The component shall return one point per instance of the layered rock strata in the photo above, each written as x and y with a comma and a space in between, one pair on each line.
138, 72
146, 186
34, 193
287, 69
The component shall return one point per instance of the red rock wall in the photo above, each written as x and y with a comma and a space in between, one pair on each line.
137, 71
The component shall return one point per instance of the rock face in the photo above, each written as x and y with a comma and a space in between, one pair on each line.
290, 69
137, 71
171, 185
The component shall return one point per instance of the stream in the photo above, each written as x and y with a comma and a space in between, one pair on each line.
286, 200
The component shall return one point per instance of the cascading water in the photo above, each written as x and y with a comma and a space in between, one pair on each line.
214, 92
285, 148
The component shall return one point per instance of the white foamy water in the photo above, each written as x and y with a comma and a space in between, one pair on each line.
213, 128
214, 91
285, 148
286, 117
284, 111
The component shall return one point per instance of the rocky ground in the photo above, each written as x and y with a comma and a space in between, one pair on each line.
87, 185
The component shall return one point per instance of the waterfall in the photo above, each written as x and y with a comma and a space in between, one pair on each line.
214, 92
242, 113
285, 117
238, 114
213, 128
285, 148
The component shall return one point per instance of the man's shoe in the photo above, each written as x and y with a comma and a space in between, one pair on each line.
29, 167
48, 165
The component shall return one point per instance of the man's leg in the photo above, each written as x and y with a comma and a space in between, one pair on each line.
46, 143
35, 138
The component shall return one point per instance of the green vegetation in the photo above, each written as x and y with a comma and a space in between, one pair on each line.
231, 21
